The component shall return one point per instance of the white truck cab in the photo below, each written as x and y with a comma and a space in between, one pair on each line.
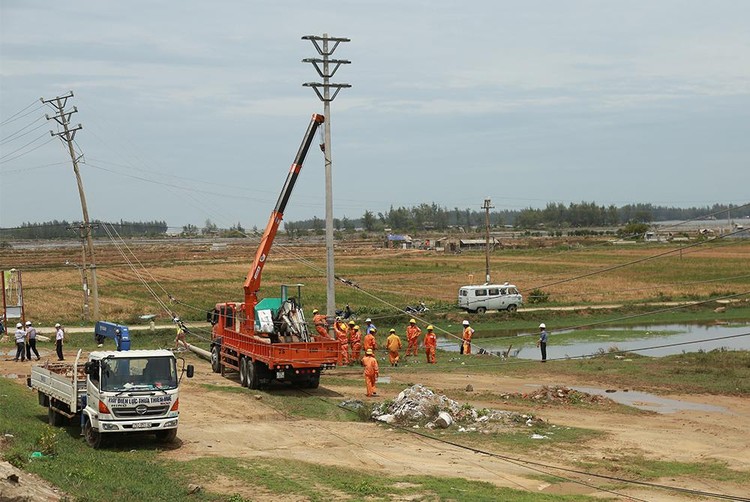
484, 297
114, 392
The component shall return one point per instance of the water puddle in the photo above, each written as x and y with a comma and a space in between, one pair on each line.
652, 402
648, 340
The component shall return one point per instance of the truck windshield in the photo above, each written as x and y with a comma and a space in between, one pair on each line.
145, 373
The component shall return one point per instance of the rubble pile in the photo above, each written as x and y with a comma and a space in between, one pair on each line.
558, 395
418, 404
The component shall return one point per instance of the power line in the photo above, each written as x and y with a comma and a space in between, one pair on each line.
17, 115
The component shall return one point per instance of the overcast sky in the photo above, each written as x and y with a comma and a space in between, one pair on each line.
194, 110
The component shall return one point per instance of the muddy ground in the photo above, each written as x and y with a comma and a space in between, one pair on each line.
230, 425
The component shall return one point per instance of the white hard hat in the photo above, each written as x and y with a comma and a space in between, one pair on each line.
19, 325
57, 325
466, 323
176, 319
28, 323
368, 320
544, 326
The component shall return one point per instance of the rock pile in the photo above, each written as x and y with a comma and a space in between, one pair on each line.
558, 395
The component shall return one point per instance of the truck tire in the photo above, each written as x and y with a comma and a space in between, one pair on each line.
216, 359
314, 382
166, 436
512, 307
253, 379
93, 438
243, 371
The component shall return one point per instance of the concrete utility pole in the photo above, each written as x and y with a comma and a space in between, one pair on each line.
326, 68
487, 208
67, 135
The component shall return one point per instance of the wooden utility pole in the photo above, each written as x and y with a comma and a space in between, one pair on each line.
487, 208
67, 135
326, 68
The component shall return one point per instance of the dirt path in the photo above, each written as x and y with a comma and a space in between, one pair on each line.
240, 426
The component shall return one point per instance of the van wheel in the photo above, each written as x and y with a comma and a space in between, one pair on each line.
512, 307
481, 310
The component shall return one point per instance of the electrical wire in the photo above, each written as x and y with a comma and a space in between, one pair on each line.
17, 115
3, 159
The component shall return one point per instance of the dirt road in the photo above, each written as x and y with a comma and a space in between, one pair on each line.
230, 424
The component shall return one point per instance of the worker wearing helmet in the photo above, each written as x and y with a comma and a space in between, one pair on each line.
468, 333
31, 341
371, 372
342, 335
542, 342
20, 336
412, 337
369, 341
393, 344
320, 322
369, 326
355, 340
430, 345
179, 336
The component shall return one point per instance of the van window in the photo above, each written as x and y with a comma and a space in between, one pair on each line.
464, 292
503, 291
512, 291
494, 291
480, 292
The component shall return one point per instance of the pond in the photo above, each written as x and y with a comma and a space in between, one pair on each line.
653, 340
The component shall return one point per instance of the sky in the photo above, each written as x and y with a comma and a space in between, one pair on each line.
194, 110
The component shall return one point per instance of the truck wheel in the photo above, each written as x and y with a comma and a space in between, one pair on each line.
54, 418
215, 359
481, 310
243, 371
253, 379
93, 438
167, 436
314, 382
512, 307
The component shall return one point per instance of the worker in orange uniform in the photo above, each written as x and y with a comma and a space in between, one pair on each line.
468, 333
369, 342
355, 340
342, 335
412, 338
393, 344
430, 345
320, 322
371, 372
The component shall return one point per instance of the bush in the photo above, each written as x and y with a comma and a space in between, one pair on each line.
538, 296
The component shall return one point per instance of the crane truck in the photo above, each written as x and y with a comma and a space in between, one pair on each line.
266, 340
113, 392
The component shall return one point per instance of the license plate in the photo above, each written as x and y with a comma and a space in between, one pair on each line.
279, 374
142, 425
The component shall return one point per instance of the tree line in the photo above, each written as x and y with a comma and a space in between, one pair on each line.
56, 229
555, 215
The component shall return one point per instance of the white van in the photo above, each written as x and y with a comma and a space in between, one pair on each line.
489, 297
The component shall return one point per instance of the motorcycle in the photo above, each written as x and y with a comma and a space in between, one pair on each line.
418, 309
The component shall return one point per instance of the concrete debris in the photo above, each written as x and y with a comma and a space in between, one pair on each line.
538, 436
193, 488
352, 404
558, 395
443, 420
420, 405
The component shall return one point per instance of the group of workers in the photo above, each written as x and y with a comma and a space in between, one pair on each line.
25, 337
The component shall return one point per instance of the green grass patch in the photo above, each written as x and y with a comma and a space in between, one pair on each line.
640, 468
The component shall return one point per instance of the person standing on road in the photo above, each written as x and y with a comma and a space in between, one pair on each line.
430, 345
20, 342
542, 342
31, 341
412, 337
59, 338
371, 372
468, 333
393, 344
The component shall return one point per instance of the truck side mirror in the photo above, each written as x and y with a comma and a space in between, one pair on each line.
190, 370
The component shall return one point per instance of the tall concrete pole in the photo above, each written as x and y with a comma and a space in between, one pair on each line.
487, 206
323, 67
67, 135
